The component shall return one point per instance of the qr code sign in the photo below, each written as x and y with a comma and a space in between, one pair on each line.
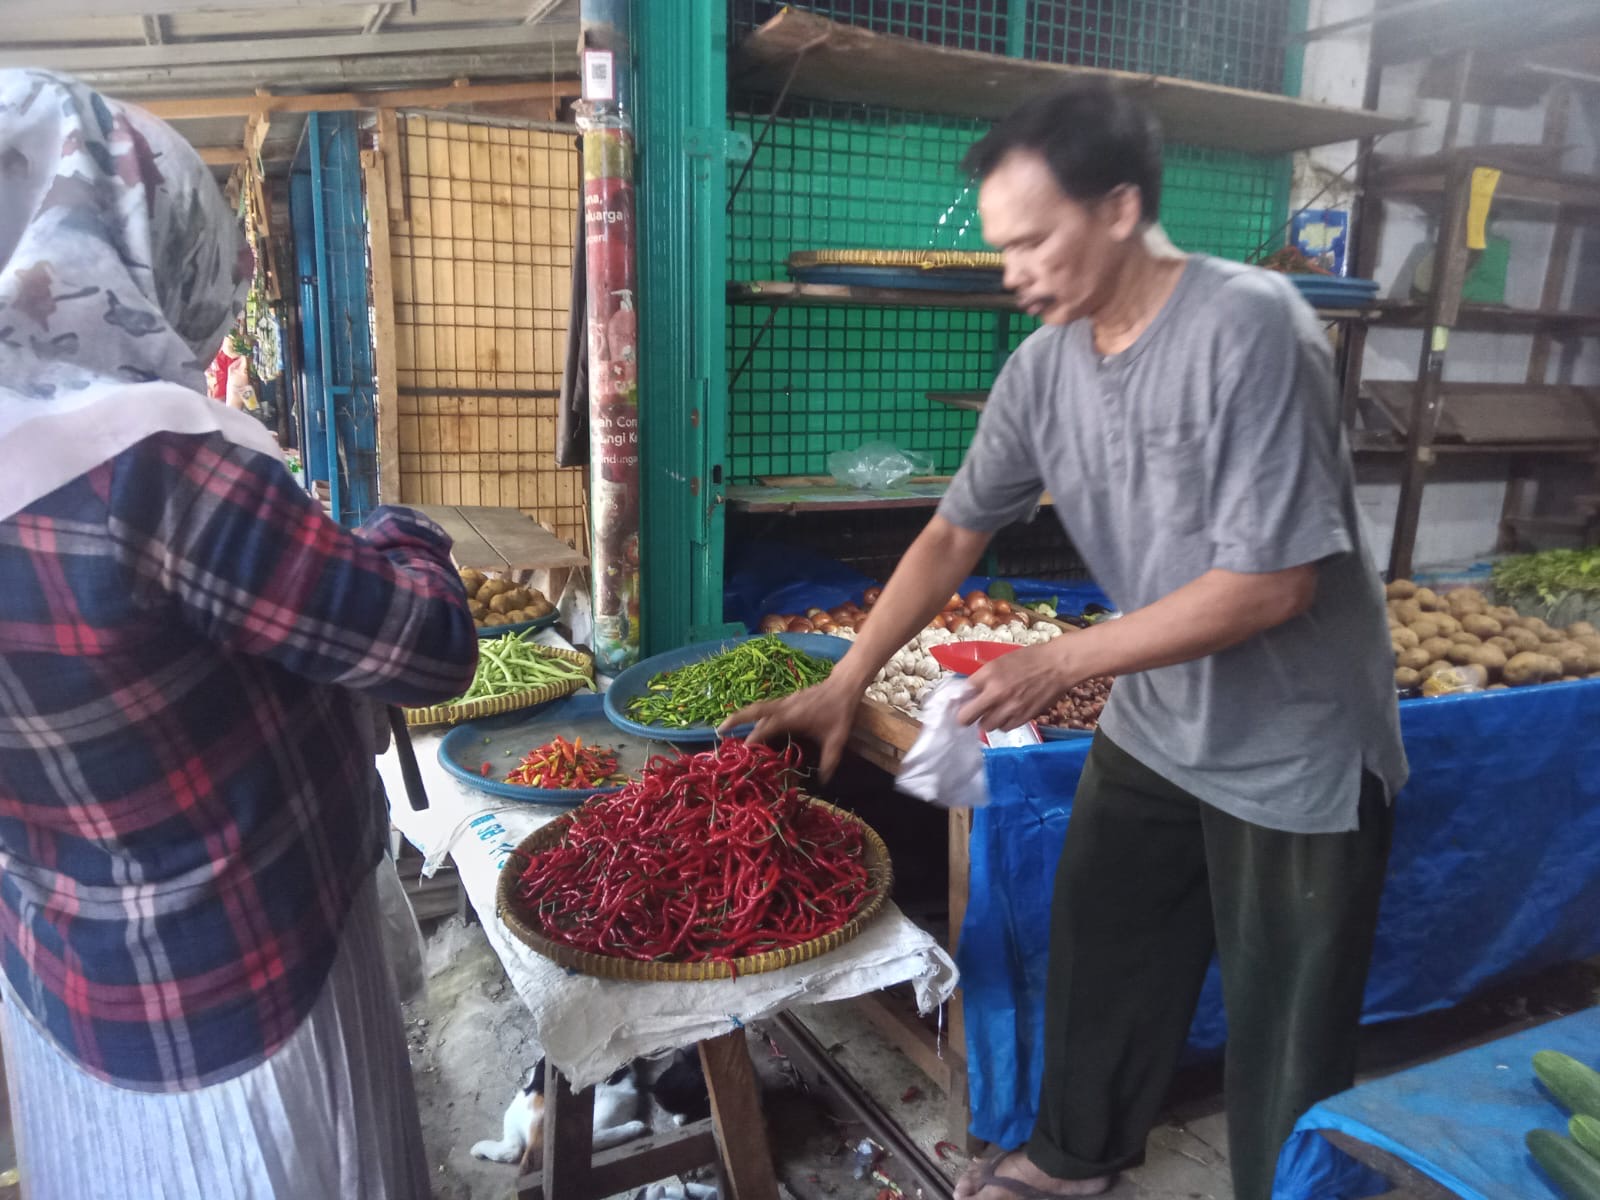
598, 79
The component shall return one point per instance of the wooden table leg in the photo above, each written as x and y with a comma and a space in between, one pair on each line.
959, 863
568, 1137
736, 1116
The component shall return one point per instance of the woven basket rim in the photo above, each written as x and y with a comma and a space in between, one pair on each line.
453, 714
880, 873
928, 260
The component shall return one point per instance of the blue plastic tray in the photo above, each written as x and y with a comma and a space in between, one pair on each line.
635, 681
467, 747
1054, 733
544, 622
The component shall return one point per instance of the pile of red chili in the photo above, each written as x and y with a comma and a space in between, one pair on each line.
564, 764
709, 856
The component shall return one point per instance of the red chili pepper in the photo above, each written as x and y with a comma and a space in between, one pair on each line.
486, 769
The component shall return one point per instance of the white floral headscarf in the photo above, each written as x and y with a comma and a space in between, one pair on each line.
121, 269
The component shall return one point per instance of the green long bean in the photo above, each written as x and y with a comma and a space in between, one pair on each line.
509, 664
702, 693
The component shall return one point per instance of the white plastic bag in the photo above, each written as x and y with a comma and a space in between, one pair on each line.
945, 766
877, 465
402, 936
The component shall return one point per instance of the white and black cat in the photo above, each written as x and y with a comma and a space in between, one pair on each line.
680, 1089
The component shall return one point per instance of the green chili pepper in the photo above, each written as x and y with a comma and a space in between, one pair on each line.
702, 693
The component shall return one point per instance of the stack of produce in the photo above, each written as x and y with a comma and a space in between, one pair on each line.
1080, 708
1574, 1164
960, 612
510, 664
565, 765
704, 692
501, 602
711, 856
1459, 641
911, 673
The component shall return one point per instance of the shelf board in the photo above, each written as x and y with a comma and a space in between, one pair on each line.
776, 293
1487, 318
969, 401
820, 493
1498, 414
845, 62
1365, 442
1525, 177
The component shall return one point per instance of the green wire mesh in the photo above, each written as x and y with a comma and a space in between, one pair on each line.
834, 175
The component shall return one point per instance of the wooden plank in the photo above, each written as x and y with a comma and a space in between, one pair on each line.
782, 293
139, 8
970, 401
393, 170
469, 548
520, 540
1502, 414
568, 1138
221, 156
383, 333
906, 1031
639, 1162
1411, 1182
203, 107
882, 734
846, 62
737, 1117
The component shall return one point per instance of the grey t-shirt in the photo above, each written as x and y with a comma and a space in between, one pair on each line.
1214, 441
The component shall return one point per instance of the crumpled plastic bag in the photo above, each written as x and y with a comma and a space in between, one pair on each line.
877, 465
945, 765
402, 936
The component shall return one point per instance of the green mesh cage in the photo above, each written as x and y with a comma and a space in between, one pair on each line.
834, 175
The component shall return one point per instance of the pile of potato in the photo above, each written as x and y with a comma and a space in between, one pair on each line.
1458, 640
501, 602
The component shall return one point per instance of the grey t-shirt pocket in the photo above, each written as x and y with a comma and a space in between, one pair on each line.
1175, 473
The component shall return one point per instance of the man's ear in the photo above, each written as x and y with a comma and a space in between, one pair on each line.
1125, 207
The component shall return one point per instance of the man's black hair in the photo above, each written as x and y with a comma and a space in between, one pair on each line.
1093, 136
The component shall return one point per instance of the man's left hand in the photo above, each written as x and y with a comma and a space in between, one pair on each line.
1015, 688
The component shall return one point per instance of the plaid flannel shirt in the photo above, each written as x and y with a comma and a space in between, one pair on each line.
188, 803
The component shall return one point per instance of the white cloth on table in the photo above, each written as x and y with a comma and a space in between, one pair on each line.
331, 1114
589, 1026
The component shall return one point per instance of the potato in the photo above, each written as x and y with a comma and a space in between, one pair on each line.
1413, 659
1405, 611
1581, 629
1446, 623
1478, 673
1404, 638
1552, 665
1424, 628
1434, 668
478, 609
1428, 599
1406, 679
1571, 678
1468, 599
1503, 613
1551, 637
1503, 644
1537, 624
471, 578
503, 603
540, 607
495, 618
1523, 639
1491, 659
1436, 647
1461, 655
1525, 668
1481, 624
1589, 641
1400, 589
1574, 659
1495, 687
1463, 638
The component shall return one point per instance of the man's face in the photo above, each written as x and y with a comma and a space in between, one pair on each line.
1061, 256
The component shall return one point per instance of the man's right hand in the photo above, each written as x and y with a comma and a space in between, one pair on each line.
821, 714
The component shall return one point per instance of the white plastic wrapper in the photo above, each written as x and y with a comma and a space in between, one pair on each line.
945, 766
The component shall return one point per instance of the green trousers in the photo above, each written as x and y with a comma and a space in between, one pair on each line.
1151, 881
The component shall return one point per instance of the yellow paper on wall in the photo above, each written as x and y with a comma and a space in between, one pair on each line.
1484, 181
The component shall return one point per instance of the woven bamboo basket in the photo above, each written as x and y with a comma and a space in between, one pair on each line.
927, 260
880, 876
452, 714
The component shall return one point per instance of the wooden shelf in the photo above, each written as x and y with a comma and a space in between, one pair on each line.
834, 61
1488, 318
774, 293
501, 539
820, 493
1524, 178
1368, 442
970, 401
1498, 414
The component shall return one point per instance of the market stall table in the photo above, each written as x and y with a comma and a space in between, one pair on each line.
588, 1026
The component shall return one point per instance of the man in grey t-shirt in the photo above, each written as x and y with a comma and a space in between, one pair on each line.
1182, 413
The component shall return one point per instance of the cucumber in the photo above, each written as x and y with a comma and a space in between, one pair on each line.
1586, 1132
1573, 1084
1576, 1174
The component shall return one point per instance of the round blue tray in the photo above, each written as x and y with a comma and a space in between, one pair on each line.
635, 681
544, 622
467, 747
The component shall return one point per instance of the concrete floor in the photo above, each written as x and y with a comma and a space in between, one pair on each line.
470, 1046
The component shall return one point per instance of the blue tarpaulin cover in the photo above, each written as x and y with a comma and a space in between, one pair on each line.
1495, 873
1461, 1120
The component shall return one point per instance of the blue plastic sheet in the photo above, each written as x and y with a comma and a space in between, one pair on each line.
1495, 874
1459, 1120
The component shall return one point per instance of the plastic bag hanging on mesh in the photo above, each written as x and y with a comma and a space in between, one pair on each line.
572, 414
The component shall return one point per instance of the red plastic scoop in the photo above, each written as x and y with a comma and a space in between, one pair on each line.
966, 657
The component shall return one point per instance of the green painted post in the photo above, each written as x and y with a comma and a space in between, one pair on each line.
681, 121
1016, 28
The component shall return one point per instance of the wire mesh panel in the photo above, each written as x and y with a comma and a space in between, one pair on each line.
833, 175
482, 282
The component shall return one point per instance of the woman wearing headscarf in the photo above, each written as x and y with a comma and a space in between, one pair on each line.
197, 1003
